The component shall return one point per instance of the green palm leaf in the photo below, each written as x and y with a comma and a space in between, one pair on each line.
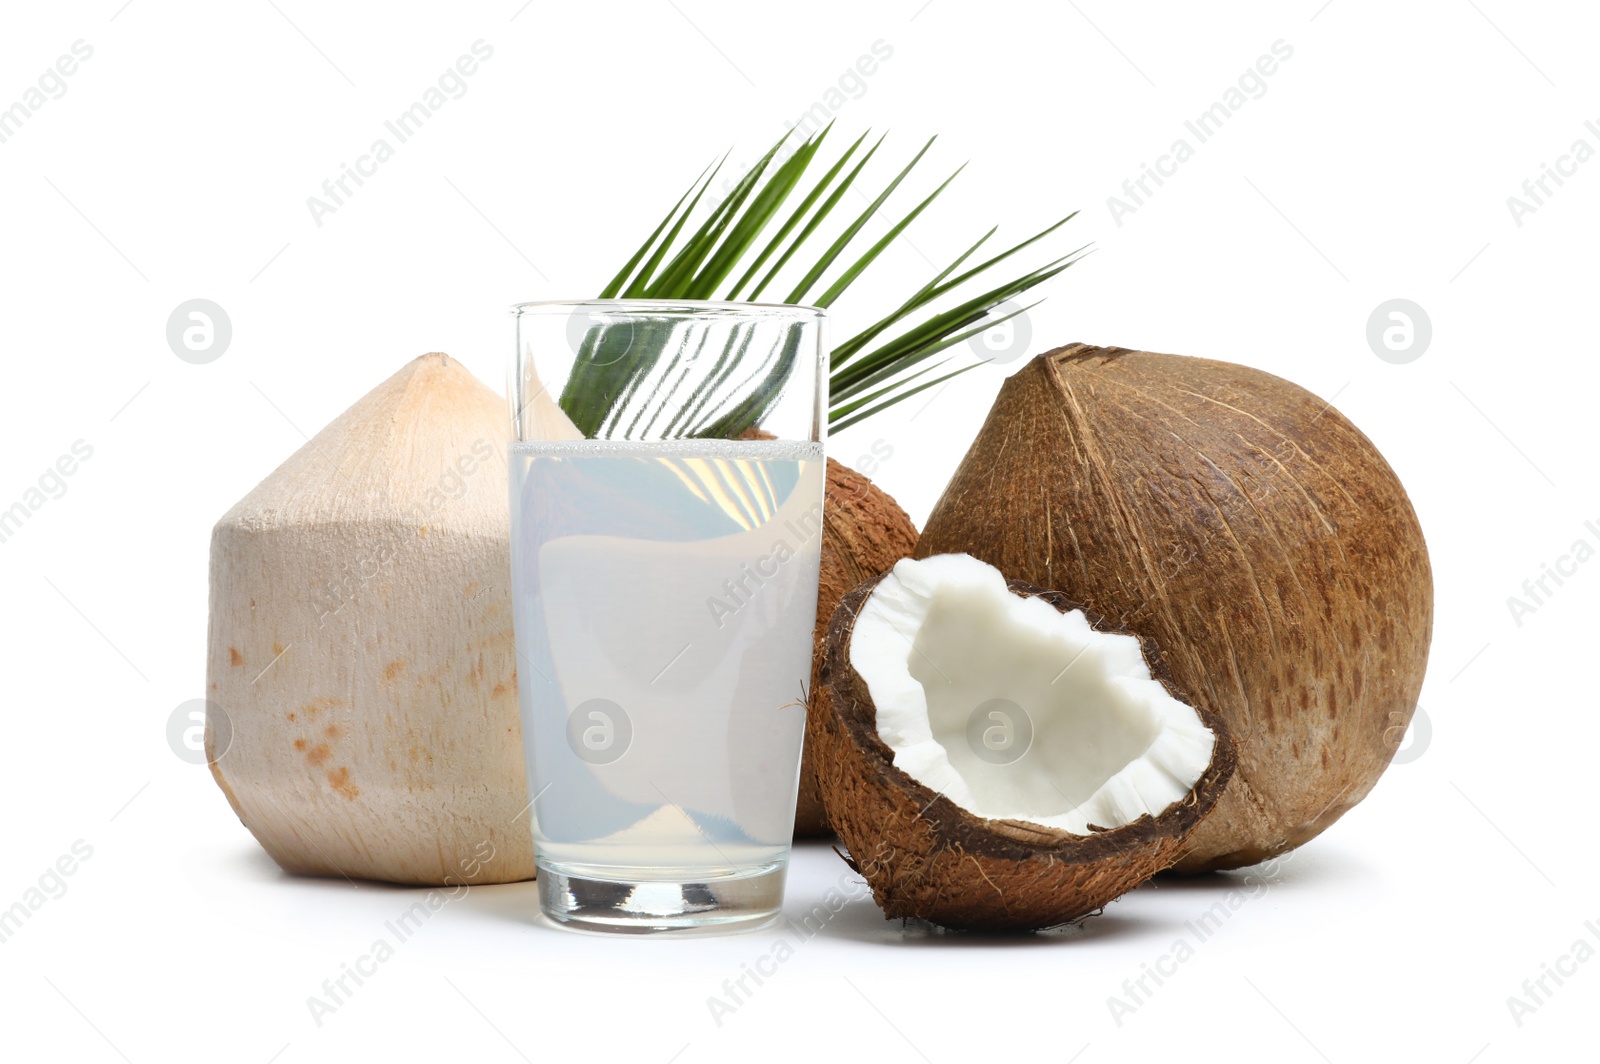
607, 390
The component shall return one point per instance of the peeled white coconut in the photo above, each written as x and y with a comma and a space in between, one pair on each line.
943, 639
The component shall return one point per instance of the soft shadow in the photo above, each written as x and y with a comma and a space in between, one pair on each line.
1293, 869
860, 919
301, 881
863, 921
248, 863
516, 903
256, 862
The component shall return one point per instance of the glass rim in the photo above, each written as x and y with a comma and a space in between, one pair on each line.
674, 307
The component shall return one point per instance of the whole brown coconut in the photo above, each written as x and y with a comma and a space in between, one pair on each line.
1247, 527
927, 857
864, 532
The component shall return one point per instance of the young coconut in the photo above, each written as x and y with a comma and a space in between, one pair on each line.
996, 758
864, 532
1248, 528
361, 642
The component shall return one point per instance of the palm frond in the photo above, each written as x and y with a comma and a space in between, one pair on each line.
629, 394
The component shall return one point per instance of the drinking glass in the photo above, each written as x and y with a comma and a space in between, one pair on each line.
666, 523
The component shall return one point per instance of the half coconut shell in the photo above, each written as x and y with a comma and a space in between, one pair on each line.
927, 857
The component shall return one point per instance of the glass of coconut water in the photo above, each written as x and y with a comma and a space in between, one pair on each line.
666, 524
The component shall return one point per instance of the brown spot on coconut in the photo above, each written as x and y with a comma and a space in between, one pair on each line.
996, 758
351, 620
1247, 527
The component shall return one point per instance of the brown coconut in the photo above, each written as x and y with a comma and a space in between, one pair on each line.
864, 532
1246, 526
926, 857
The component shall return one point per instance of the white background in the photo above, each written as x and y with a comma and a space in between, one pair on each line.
1377, 165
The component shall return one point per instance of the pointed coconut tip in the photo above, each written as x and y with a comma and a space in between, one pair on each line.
434, 371
927, 857
405, 444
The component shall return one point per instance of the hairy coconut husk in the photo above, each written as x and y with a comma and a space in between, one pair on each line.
361, 643
1246, 526
864, 532
928, 858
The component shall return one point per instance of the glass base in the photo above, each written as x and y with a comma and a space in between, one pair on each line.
710, 906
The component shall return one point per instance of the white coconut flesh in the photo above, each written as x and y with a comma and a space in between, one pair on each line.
1015, 710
